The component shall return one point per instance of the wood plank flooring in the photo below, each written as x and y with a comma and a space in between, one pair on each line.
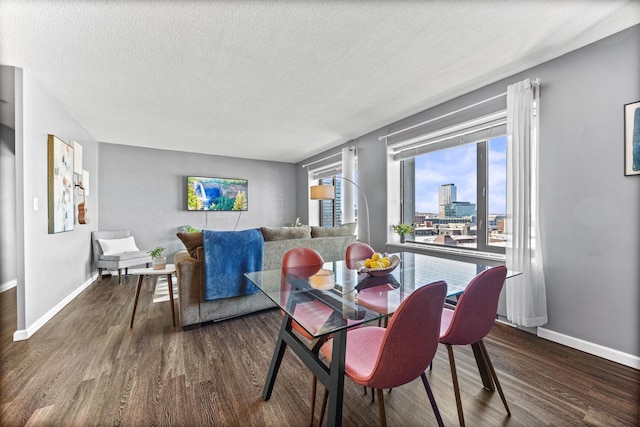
85, 367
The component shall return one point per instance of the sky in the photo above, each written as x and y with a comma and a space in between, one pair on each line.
457, 166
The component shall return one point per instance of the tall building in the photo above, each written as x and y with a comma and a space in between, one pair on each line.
446, 196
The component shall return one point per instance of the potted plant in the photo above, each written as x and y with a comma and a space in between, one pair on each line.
402, 230
159, 261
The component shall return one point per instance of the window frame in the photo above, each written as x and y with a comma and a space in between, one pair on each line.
482, 214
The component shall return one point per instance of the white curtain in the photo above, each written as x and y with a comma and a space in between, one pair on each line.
348, 172
525, 294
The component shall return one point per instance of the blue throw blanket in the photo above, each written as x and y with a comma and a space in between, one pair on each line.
227, 256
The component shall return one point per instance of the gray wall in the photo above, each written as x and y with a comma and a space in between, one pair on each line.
50, 267
144, 190
589, 208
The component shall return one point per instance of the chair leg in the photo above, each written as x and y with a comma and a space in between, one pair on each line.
495, 377
456, 388
432, 399
99, 275
119, 276
383, 418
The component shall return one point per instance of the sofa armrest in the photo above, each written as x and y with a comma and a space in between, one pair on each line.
189, 272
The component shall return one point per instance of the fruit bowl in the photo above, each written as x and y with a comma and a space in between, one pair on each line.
395, 262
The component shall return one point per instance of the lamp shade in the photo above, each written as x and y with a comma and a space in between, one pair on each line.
323, 192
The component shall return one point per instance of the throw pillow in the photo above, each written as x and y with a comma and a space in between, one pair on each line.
191, 241
118, 246
286, 233
344, 230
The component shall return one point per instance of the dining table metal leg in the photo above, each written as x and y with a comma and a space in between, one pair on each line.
336, 378
276, 359
485, 375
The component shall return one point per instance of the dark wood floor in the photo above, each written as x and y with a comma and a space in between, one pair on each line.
85, 367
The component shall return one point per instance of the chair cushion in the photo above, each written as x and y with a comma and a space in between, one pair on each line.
447, 315
125, 256
363, 346
343, 230
118, 246
191, 241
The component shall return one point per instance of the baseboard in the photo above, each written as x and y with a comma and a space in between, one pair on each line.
23, 334
10, 284
588, 347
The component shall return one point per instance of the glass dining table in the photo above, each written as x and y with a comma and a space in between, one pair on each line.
329, 300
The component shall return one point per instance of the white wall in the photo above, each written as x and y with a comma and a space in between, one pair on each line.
7, 208
51, 268
590, 227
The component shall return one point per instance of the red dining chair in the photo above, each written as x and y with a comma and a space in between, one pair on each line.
304, 262
374, 298
471, 321
411, 338
358, 251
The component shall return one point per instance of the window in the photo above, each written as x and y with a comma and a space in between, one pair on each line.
456, 195
330, 210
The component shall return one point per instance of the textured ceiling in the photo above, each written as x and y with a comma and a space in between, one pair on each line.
280, 80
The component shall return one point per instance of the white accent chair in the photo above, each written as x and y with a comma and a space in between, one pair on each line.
116, 261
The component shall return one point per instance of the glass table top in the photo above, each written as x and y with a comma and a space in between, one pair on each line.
326, 299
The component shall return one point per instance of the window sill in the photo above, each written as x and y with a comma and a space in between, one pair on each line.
445, 252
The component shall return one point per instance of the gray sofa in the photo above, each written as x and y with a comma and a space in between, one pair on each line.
331, 243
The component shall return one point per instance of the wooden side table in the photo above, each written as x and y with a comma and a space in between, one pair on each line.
141, 272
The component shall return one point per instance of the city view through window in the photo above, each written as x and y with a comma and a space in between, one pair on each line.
448, 191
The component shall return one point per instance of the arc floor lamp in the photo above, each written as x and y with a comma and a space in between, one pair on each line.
328, 192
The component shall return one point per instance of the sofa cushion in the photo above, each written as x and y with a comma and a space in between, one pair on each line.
191, 241
343, 230
127, 256
118, 246
286, 233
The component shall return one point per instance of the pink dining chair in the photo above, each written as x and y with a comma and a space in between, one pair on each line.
390, 357
471, 321
374, 298
304, 262
358, 251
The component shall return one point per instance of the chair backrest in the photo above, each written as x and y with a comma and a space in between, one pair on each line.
96, 235
476, 309
357, 252
302, 260
411, 338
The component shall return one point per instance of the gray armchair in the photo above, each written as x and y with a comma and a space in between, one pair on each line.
116, 261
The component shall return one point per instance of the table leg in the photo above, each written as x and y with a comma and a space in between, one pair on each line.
276, 360
135, 303
336, 378
487, 382
170, 285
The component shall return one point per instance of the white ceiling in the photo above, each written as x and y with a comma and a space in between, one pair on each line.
280, 80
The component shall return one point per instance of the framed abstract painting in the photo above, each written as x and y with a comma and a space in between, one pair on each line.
60, 185
632, 138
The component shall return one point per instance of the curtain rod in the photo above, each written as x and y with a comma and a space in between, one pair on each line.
535, 82
339, 153
380, 138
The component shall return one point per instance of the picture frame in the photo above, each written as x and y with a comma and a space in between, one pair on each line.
632, 139
217, 194
60, 185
